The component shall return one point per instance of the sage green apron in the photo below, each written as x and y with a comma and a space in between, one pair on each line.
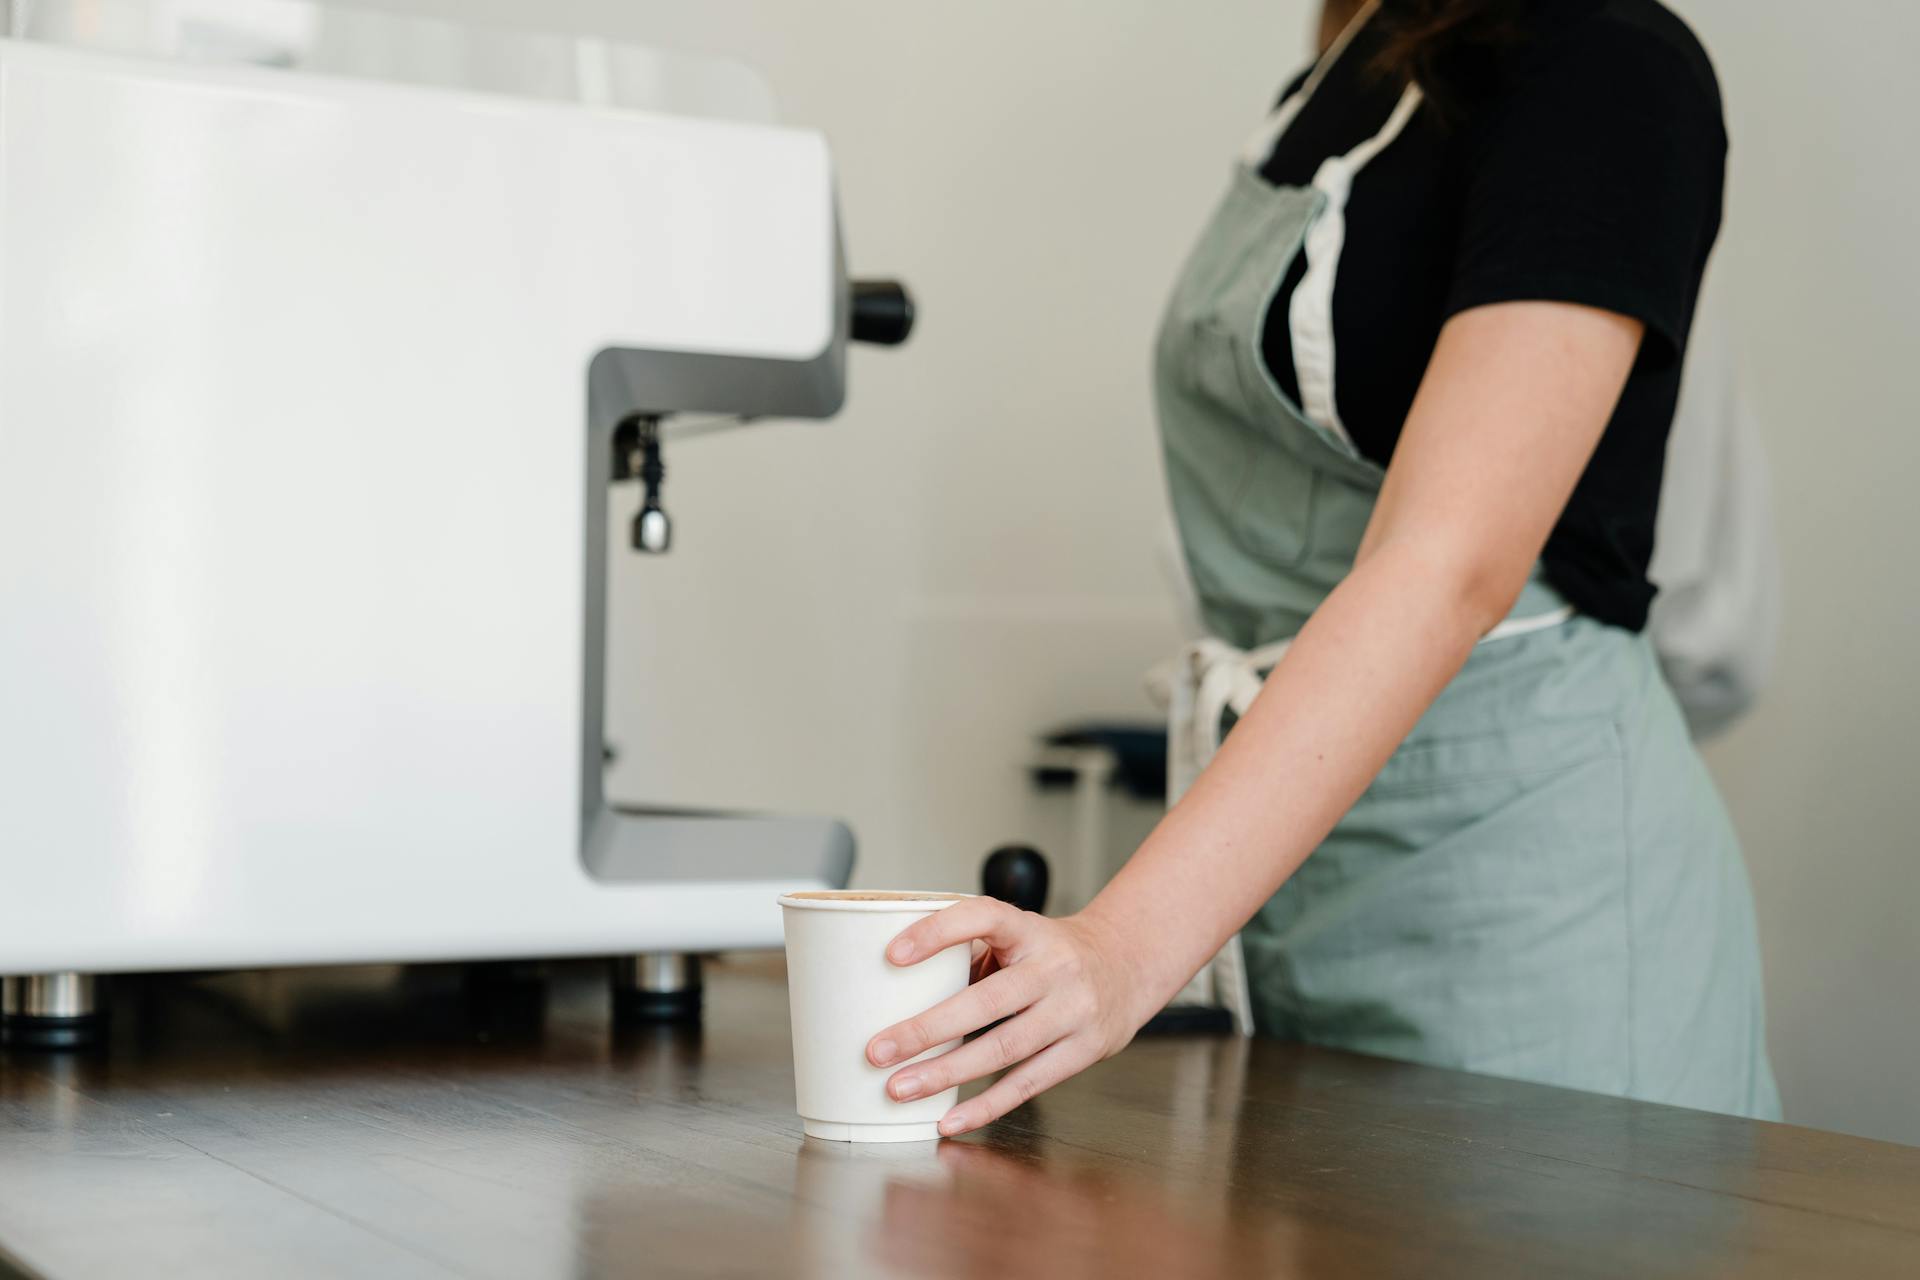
1542, 882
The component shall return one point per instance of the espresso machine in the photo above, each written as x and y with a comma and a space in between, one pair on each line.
316, 367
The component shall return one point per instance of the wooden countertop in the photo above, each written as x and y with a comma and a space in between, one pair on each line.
394, 1123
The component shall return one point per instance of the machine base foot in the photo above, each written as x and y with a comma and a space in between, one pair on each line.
51, 1011
657, 987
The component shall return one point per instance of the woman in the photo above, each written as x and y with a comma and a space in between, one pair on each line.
1461, 823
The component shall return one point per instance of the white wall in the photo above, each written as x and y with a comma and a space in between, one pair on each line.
1822, 268
875, 616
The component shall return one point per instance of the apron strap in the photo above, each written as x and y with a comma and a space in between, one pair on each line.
1260, 146
1310, 314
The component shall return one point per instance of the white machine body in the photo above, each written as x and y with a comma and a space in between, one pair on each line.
302, 496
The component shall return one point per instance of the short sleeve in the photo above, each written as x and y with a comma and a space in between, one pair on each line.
1596, 179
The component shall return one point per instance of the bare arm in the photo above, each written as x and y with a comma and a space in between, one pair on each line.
1513, 403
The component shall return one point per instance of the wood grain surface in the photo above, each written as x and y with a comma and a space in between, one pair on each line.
425, 1122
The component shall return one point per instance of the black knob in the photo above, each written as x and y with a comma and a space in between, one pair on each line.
1016, 874
882, 312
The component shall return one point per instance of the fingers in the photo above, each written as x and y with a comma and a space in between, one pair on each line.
1034, 1076
1002, 927
1029, 1048
994, 997
1010, 1043
983, 961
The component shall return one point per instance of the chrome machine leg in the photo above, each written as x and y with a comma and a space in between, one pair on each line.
656, 986
50, 1011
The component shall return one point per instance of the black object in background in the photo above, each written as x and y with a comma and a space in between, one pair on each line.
1139, 756
1016, 874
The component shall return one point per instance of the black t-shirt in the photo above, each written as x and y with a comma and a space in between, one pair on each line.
1586, 169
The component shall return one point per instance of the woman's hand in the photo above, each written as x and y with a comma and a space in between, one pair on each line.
1066, 990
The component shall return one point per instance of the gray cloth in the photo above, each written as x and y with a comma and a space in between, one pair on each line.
1715, 624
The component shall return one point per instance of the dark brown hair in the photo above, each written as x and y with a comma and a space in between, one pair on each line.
1452, 49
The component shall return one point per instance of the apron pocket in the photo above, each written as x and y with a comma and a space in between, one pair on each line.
1444, 760
1273, 514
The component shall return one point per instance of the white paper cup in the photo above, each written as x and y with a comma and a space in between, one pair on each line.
843, 991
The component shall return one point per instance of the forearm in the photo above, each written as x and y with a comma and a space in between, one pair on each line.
1352, 685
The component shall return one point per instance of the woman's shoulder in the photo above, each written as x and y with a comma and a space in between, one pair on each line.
1595, 174
1637, 49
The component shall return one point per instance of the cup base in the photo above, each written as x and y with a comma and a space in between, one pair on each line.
832, 1131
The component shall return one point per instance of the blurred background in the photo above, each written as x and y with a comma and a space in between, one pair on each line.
881, 617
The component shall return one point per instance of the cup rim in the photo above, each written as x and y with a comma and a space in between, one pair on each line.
912, 900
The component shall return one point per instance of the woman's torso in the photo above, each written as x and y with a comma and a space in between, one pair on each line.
1584, 166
